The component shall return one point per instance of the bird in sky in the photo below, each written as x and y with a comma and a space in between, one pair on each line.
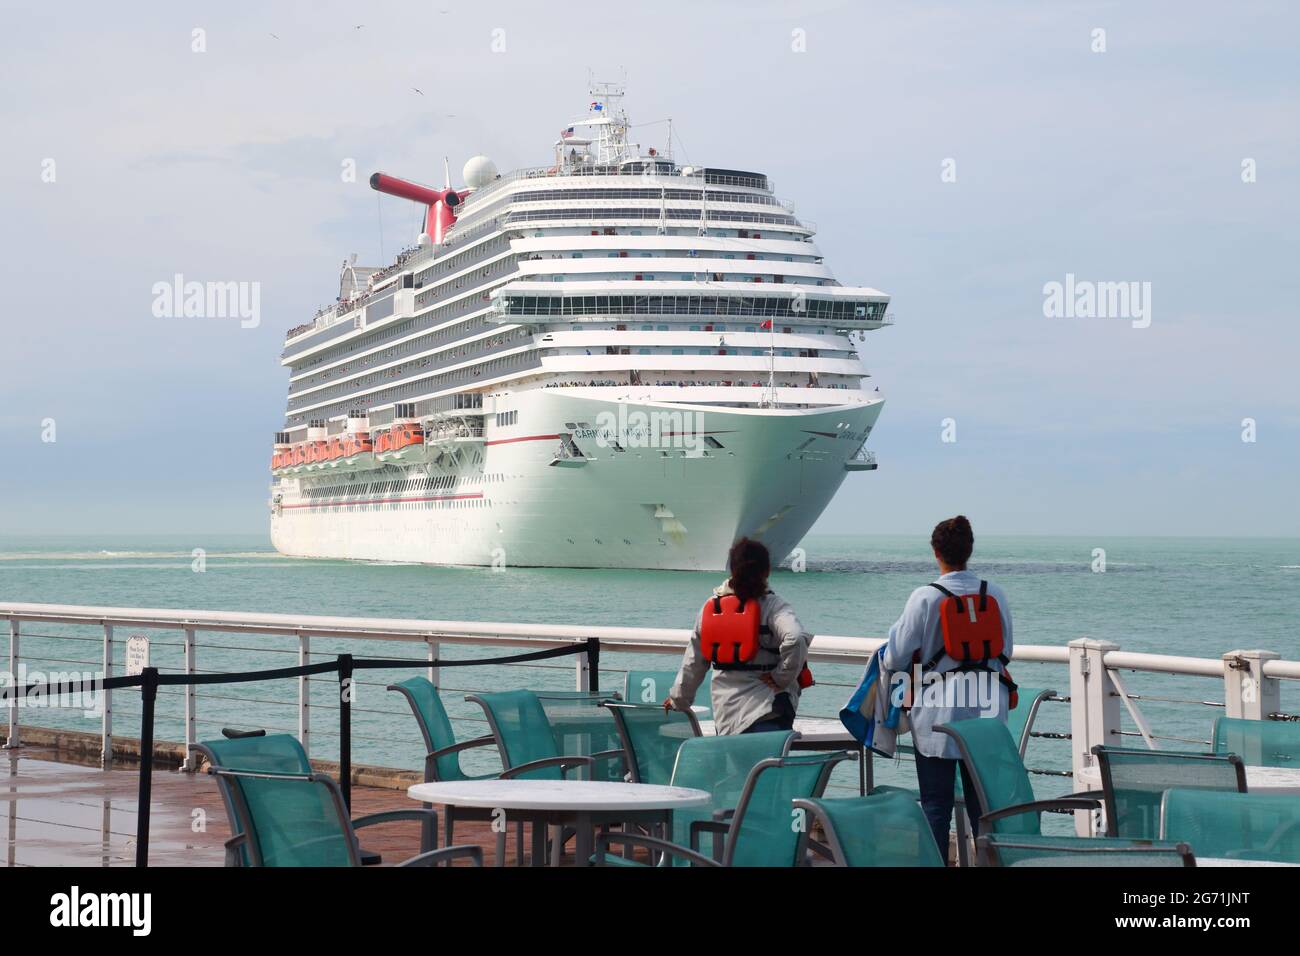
418, 90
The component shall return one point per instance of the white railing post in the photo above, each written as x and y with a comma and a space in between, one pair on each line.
14, 656
584, 673
191, 704
106, 697
1094, 712
1247, 693
434, 649
304, 694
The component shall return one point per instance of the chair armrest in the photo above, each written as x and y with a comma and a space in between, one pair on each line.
1038, 806
717, 826
564, 763
233, 846
650, 843
389, 816
447, 853
463, 745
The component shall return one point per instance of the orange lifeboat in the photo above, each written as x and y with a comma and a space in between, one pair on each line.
299, 455
335, 449
383, 442
361, 443
406, 434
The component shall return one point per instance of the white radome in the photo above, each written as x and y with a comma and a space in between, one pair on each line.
478, 172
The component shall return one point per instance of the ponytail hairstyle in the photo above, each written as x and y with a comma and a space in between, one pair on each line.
749, 564
953, 541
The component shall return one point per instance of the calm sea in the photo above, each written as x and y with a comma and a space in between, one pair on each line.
1198, 597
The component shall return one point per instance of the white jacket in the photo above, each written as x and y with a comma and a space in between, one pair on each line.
741, 697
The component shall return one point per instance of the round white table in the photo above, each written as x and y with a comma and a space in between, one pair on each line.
814, 733
1258, 779
581, 804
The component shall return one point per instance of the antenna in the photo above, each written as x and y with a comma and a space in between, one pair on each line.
446, 172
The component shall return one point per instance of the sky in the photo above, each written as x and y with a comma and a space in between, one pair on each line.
959, 156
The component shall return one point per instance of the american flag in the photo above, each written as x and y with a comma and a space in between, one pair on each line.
566, 133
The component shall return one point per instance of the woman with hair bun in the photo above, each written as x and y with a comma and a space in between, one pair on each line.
753, 640
953, 641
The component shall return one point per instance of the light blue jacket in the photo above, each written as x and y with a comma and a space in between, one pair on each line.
918, 629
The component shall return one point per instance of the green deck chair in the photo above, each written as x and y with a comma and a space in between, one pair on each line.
881, 829
442, 752
651, 737
1259, 743
1020, 724
992, 758
1234, 826
651, 687
1020, 850
581, 724
296, 819
1134, 781
529, 745
762, 830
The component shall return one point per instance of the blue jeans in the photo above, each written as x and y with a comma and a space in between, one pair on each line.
782, 717
936, 777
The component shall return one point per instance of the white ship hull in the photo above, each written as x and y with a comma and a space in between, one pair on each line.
508, 502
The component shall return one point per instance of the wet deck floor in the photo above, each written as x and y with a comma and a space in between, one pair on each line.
63, 814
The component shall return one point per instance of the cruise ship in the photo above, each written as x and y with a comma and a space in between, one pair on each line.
616, 360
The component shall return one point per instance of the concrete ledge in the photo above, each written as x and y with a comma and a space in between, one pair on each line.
83, 747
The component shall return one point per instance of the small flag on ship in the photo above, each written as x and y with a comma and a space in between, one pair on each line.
767, 324
566, 133
597, 107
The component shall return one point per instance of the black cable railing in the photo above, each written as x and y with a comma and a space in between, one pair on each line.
149, 680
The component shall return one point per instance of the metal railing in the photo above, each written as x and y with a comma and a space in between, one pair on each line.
1095, 685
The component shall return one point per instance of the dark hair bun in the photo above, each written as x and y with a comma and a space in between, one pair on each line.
953, 541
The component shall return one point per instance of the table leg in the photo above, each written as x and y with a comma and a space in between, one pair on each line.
539, 844
583, 842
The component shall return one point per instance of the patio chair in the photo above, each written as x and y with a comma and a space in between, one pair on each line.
1259, 743
529, 745
442, 751
881, 829
651, 737
1020, 724
581, 724
1134, 781
255, 750
1006, 798
1019, 850
1234, 826
651, 687
296, 819
761, 831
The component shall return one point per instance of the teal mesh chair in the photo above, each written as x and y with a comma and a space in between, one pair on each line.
1134, 781
651, 687
530, 746
1019, 850
522, 731
761, 831
296, 819
650, 737
1020, 724
881, 829
442, 751
720, 765
580, 724
1234, 826
255, 750
1006, 798
1259, 743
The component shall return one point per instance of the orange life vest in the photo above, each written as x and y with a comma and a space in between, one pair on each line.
972, 633
729, 636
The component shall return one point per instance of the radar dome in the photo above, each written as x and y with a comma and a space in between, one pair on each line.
478, 172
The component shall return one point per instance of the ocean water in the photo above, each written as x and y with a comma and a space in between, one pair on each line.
1197, 597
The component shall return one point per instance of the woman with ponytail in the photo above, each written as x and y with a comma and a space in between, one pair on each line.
759, 663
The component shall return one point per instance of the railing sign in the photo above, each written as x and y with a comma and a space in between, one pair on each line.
137, 655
